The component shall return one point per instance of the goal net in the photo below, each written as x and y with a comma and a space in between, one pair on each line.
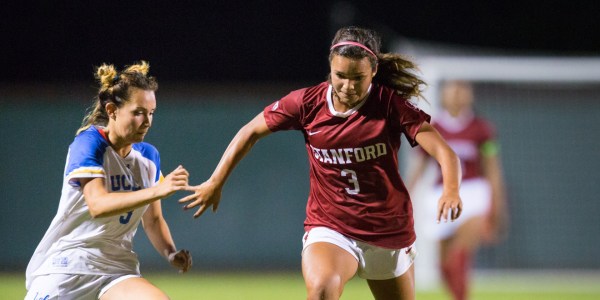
546, 112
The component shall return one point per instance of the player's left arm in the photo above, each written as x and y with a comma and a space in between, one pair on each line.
433, 143
158, 233
492, 170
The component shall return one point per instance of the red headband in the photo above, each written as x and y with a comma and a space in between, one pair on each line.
354, 44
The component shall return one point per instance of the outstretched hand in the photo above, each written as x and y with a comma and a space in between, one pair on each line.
449, 205
175, 181
182, 260
205, 195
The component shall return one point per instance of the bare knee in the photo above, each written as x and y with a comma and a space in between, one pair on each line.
326, 269
324, 287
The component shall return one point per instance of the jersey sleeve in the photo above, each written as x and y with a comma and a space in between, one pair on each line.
151, 153
488, 131
408, 117
285, 114
488, 146
85, 157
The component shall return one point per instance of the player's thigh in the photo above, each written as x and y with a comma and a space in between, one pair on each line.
134, 288
401, 287
467, 236
323, 261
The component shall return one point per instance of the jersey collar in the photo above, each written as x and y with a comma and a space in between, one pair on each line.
348, 112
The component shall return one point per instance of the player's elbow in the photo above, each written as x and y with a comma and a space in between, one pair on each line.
149, 222
96, 213
96, 210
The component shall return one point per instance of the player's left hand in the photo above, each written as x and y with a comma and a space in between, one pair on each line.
449, 205
182, 260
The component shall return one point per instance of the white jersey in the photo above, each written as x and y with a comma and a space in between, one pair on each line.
75, 243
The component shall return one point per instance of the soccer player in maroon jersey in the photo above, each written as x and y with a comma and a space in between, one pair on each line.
482, 189
359, 214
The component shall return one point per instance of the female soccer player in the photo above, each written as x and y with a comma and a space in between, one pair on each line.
112, 180
359, 214
482, 189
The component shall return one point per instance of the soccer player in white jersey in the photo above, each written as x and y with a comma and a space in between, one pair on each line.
482, 190
359, 214
112, 181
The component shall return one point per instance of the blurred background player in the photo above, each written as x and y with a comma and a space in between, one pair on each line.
112, 180
482, 189
359, 213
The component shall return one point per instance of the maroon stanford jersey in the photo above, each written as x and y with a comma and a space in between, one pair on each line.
355, 186
465, 134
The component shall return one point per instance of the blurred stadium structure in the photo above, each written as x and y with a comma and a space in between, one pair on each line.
545, 110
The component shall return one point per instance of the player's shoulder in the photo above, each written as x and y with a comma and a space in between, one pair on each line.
484, 128
389, 97
319, 88
383, 93
311, 93
382, 89
481, 122
147, 150
89, 139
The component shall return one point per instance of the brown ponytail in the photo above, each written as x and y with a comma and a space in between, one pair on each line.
393, 70
116, 88
397, 72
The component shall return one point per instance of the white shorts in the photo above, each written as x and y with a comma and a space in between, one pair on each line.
476, 196
72, 286
374, 262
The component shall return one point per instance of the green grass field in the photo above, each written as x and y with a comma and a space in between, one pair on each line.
267, 286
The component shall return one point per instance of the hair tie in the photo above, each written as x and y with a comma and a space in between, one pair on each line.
115, 79
353, 44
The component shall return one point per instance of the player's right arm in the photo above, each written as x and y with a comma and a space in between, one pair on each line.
498, 215
102, 203
208, 193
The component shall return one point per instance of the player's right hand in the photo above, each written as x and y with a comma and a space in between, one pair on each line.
205, 195
175, 181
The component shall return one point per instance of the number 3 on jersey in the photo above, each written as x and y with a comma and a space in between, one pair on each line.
353, 180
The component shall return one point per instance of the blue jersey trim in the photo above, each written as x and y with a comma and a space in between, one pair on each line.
150, 152
86, 150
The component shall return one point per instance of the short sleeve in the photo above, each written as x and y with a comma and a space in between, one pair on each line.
488, 131
150, 152
285, 114
85, 157
408, 117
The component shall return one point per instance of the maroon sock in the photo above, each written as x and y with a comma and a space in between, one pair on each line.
455, 273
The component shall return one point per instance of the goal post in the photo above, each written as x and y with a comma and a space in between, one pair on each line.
518, 91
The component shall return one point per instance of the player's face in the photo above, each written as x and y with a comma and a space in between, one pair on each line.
456, 97
134, 118
350, 79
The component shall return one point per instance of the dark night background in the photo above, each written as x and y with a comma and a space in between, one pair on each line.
221, 62
49, 41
